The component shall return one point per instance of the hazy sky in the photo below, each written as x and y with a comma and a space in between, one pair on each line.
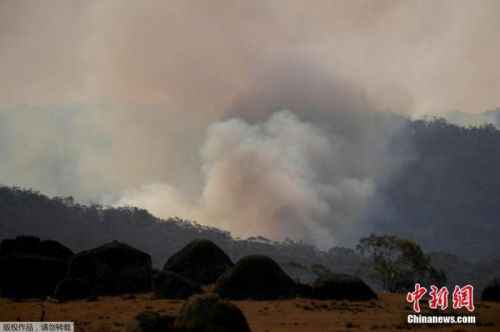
423, 55
242, 114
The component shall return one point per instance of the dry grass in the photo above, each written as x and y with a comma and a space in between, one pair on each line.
113, 313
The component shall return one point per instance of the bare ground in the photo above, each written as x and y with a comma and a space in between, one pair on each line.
112, 314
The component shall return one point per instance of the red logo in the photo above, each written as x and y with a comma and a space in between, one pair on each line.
439, 298
463, 297
416, 296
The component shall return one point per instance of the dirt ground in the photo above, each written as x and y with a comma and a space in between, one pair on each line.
113, 313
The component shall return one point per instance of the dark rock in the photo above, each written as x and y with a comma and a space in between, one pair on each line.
207, 313
72, 289
492, 291
341, 287
30, 276
113, 268
32, 246
31, 268
50, 248
255, 277
150, 321
21, 245
201, 261
171, 285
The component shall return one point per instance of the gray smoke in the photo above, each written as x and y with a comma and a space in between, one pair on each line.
299, 155
279, 178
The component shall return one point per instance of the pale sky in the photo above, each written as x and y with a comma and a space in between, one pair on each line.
412, 56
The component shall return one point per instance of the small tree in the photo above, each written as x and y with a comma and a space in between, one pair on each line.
398, 263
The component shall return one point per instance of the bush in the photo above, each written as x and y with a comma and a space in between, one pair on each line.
208, 313
149, 321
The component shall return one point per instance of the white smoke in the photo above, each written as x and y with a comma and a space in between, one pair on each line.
267, 179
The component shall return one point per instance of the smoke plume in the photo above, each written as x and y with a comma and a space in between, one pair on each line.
270, 178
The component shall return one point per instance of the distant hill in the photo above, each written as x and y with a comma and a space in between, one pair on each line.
80, 227
460, 271
447, 196
494, 115
465, 119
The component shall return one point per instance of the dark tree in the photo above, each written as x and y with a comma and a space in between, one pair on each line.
398, 263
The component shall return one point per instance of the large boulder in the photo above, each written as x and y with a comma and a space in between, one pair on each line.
21, 245
170, 285
201, 261
30, 276
255, 277
341, 287
31, 268
208, 313
113, 268
150, 321
50, 248
72, 289
32, 246
492, 291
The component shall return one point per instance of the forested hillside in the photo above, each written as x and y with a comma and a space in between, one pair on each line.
447, 197
82, 227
